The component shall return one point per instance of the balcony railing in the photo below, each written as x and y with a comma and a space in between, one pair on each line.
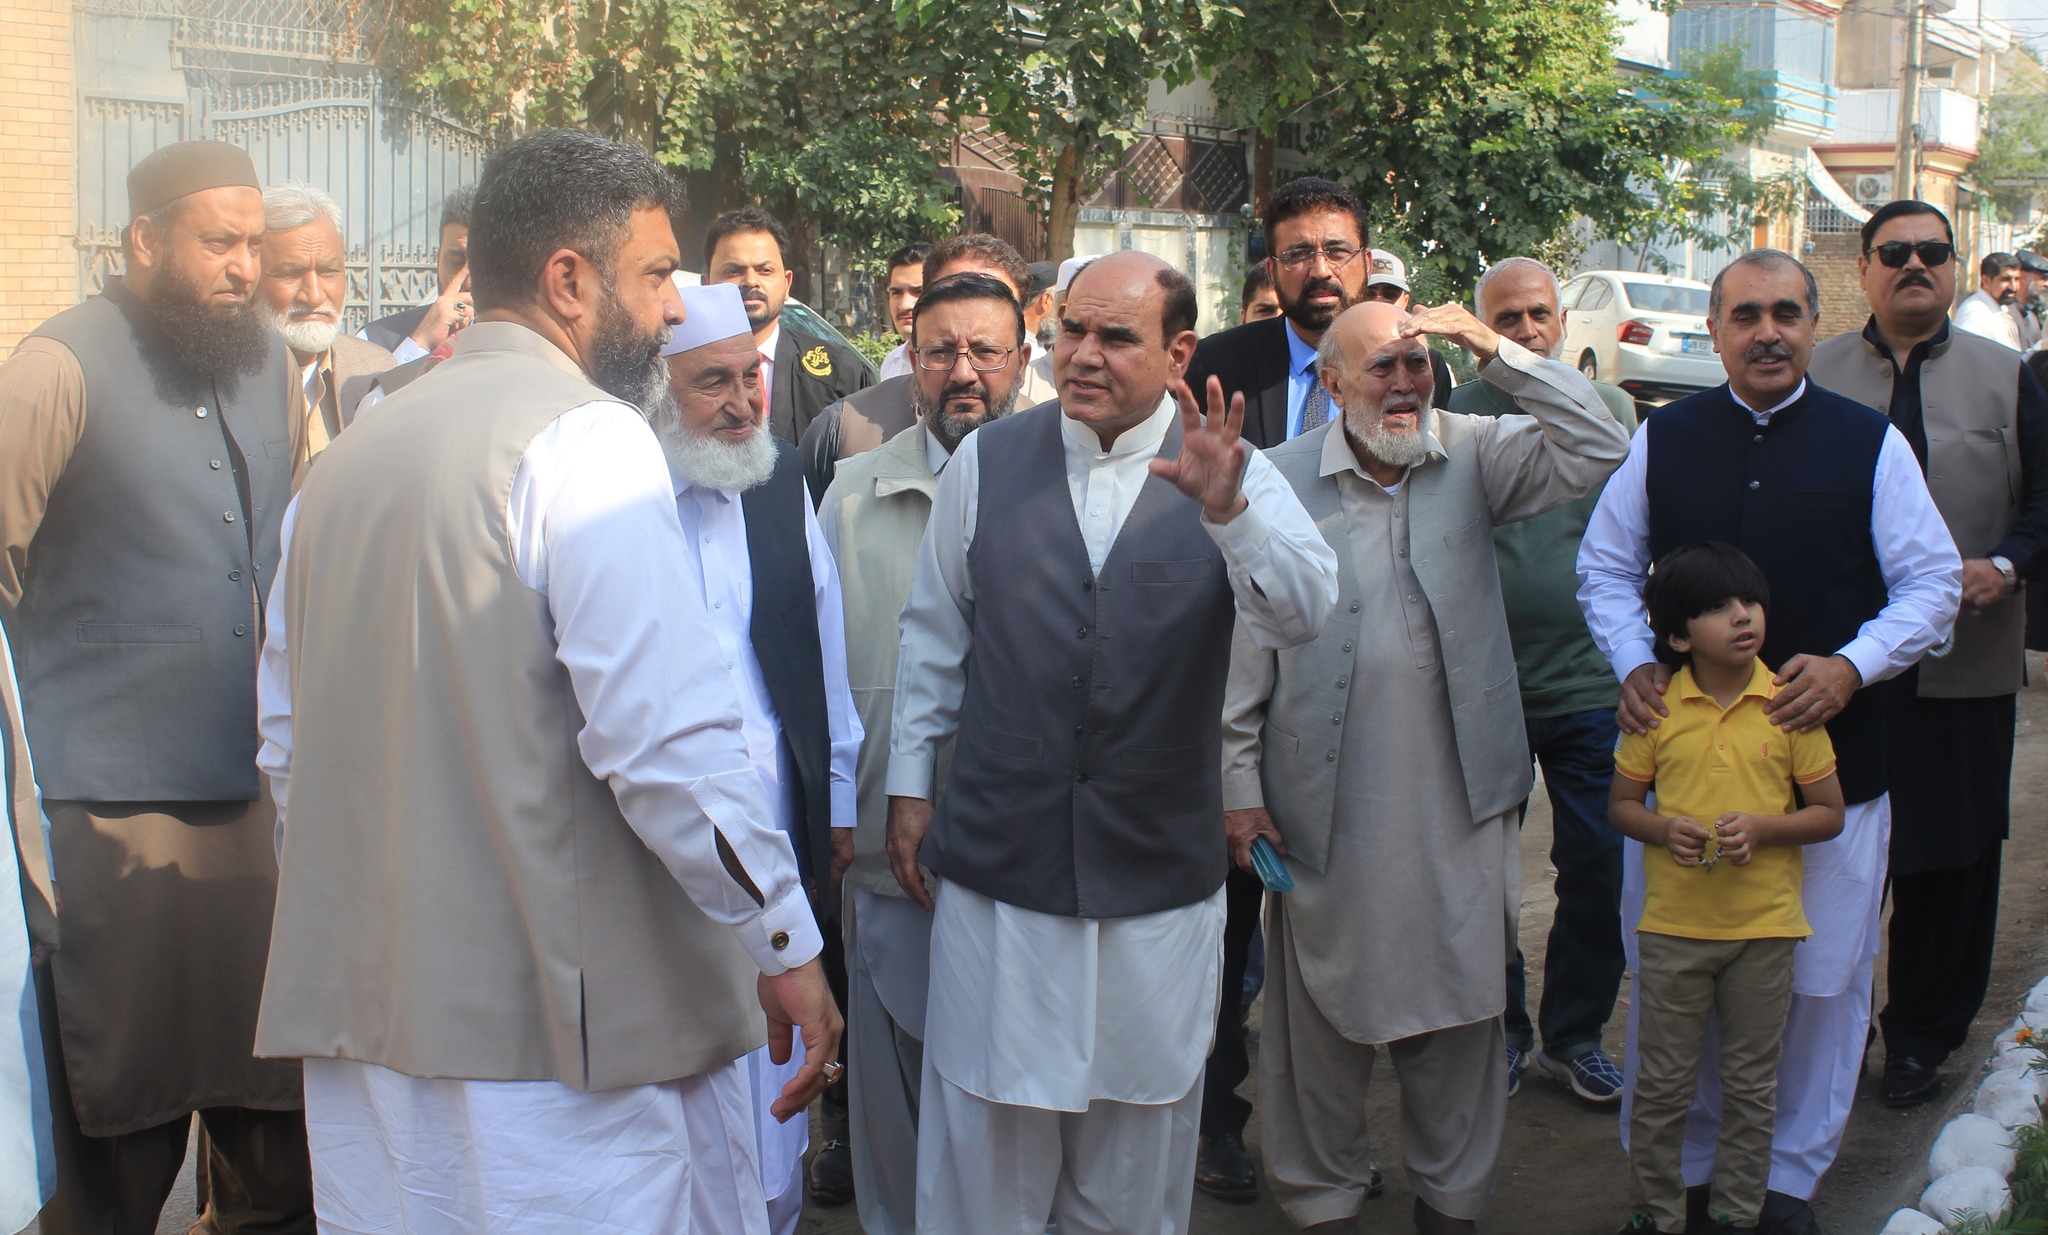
1947, 117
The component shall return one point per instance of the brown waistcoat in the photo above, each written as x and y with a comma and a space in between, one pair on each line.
1969, 392
460, 897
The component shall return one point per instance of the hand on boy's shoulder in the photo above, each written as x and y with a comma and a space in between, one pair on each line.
1812, 690
1641, 706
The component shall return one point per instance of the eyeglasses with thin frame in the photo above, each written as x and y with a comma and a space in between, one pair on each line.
985, 358
1894, 253
1336, 252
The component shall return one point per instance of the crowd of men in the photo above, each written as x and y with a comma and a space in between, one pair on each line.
482, 760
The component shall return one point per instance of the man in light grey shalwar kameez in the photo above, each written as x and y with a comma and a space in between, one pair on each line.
1387, 760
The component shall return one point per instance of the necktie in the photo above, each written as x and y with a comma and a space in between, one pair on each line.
1315, 409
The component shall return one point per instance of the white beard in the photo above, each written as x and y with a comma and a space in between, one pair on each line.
711, 464
307, 337
1393, 449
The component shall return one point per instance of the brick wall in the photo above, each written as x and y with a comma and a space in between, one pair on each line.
1833, 262
39, 148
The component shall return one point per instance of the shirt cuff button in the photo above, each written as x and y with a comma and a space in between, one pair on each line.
779, 940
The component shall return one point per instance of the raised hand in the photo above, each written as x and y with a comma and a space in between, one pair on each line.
1456, 323
1210, 468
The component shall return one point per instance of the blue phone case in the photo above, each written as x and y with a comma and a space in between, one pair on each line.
1266, 863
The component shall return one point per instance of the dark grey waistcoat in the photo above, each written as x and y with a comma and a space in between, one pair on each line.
137, 633
1086, 777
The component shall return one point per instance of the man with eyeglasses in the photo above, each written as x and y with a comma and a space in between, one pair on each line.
1978, 424
1988, 311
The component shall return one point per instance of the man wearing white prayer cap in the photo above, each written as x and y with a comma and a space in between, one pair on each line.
757, 558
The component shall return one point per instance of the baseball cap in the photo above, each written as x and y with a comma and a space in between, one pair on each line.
1384, 267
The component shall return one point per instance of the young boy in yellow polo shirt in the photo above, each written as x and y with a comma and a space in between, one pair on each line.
1721, 908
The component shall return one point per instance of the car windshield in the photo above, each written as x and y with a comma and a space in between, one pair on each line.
1667, 298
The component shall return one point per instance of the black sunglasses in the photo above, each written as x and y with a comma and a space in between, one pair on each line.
1894, 253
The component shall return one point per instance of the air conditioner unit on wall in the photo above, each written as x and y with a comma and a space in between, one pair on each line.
1873, 188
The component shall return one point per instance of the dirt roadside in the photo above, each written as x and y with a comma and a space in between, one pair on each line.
1563, 1172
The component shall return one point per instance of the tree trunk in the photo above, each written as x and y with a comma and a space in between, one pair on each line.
1067, 190
1262, 171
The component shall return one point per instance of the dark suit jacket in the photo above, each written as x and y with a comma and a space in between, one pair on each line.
809, 375
1254, 359
389, 331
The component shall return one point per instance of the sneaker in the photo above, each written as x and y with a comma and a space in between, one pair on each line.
1590, 1073
1517, 1060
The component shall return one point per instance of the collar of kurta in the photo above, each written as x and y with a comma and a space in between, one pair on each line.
1927, 349
1145, 436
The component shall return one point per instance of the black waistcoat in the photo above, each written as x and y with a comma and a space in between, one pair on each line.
1087, 773
784, 632
137, 632
1796, 496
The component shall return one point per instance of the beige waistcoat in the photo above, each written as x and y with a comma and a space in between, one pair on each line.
460, 897
1969, 406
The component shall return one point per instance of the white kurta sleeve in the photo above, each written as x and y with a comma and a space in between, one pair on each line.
1923, 573
937, 630
1282, 572
274, 683
1614, 562
594, 528
842, 723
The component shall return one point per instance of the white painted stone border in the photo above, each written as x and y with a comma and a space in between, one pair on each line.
1973, 1157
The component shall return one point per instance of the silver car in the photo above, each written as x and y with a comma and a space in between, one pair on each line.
1646, 333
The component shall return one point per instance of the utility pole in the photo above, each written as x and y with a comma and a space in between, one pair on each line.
1906, 173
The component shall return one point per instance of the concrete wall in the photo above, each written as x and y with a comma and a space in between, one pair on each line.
39, 149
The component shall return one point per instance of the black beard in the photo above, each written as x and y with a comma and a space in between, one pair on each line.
203, 341
1310, 318
623, 361
954, 429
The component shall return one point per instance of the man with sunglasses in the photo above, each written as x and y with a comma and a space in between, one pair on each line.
1991, 309
1978, 424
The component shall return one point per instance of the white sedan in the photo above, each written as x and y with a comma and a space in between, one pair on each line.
1646, 333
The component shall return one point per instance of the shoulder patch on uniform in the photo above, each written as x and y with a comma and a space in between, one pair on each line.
818, 362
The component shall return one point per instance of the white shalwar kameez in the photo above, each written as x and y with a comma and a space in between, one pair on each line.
1842, 889
715, 527
589, 512
1063, 1056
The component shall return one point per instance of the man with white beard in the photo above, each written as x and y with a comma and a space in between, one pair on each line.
304, 290
1398, 821
772, 594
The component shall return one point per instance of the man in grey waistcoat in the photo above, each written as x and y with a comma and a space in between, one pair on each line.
1387, 760
1079, 656
1978, 423
147, 439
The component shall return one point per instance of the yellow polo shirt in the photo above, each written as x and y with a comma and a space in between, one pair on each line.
1705, 762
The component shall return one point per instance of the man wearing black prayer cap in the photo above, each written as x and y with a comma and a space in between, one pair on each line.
147, 439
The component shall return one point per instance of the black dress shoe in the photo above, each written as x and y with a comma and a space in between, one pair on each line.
1786, 1215
1224, 1170
831, 1172
1697, 1220
1908, 1081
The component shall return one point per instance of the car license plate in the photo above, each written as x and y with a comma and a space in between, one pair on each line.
1696, 344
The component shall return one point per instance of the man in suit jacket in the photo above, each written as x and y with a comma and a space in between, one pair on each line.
411, 333
1402, 915
305, 285
800, 375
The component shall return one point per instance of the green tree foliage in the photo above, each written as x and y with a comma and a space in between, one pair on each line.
2012, 156
828, 111
1475, 129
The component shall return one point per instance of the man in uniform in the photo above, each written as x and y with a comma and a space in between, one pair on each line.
305, 289
147, 440
1070, 620
800, 375
412, 333
866, 420
1950, 748
874, 517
